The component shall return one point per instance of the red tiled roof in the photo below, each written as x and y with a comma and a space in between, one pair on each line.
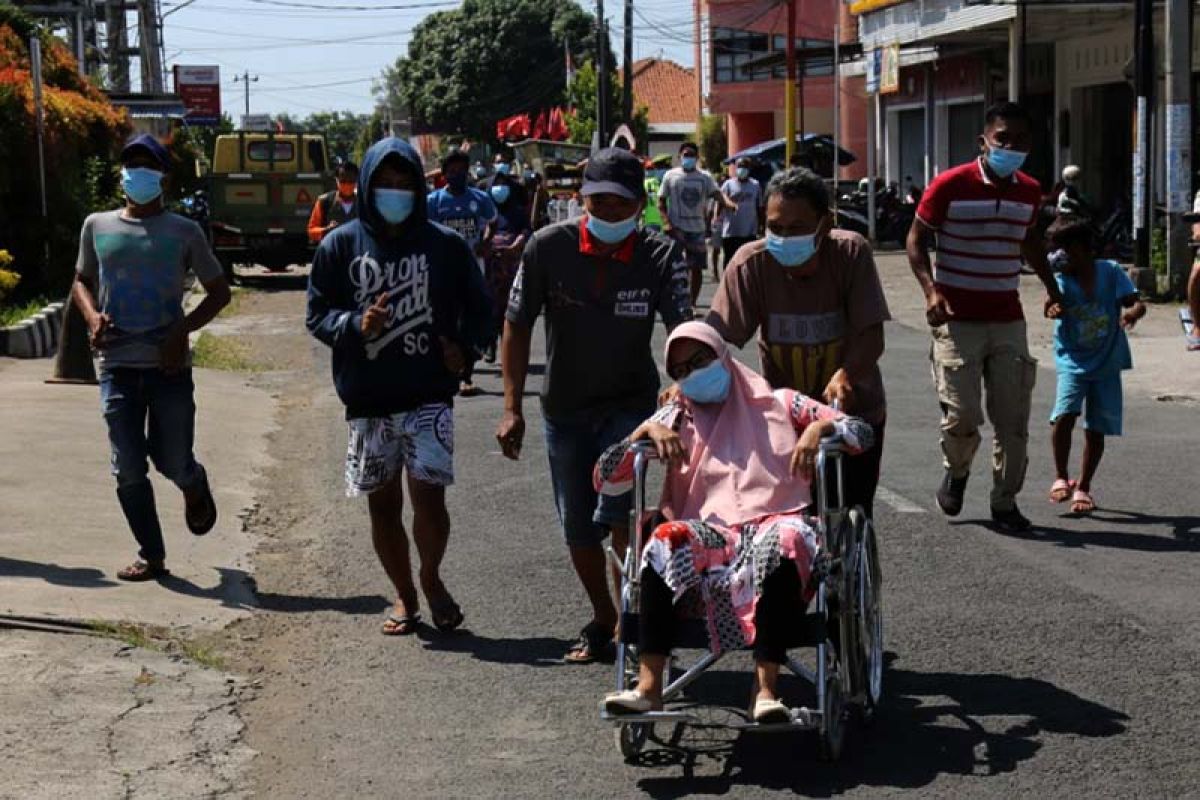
666, 88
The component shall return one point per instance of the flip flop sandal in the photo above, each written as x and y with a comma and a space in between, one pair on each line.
141, 571
595, 644
447, 616
203, 517
1064, 486
402, 624
1081, 498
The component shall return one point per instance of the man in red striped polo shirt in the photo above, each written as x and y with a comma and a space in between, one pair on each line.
982, 214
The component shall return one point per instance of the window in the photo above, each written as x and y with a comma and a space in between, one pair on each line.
261, 151
732, 50
806, 64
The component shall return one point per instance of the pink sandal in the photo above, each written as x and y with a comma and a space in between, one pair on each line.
1082, 502
1061, 489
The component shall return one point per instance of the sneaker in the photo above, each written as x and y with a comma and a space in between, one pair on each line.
1011, 521
950, 494
489, 354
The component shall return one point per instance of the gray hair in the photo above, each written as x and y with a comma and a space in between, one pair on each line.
800, 183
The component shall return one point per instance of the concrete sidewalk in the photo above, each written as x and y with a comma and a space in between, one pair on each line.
62, 534
95, 718
1162, 368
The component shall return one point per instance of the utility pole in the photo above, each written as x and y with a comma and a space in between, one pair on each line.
1143, 198
601, 76
246, 80
116, 43
837, 110
1177, 72
789, 87
151, 47
35, 58
627, 94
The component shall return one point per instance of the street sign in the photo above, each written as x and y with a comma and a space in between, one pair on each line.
874, 70
864, 6
889, 78
257, 122
200, 90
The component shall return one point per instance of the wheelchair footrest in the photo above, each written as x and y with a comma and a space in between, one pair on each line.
649, 716
803, 719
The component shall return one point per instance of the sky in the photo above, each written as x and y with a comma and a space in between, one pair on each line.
312, 56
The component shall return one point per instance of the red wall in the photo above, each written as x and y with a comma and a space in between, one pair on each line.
748, 129
750, 106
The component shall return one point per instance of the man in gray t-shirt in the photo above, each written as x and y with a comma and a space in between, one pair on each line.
129, 288
683, 203
741, 227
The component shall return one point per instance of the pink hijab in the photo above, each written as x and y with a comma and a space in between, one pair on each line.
738, 464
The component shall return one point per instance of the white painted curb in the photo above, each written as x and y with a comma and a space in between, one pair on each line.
36, 337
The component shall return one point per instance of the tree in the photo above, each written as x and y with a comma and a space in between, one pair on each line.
81, 125
486, 60
342, 130
581, 96
714, 142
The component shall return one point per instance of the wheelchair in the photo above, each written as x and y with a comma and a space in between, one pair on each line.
844, 623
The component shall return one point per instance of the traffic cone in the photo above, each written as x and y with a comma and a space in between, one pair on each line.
73, 361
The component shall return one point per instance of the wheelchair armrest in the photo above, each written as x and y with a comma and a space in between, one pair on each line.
833, 444
645, 447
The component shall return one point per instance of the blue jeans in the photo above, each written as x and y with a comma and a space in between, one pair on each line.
149, 413
574, 445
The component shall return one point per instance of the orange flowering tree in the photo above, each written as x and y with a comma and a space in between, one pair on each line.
82, 129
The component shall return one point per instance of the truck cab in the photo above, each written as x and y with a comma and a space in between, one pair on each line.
262, 186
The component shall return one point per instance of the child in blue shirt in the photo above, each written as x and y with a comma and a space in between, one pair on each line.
1090, 352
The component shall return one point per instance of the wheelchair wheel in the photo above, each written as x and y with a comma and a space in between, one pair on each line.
868, 581
832, 733
631, 739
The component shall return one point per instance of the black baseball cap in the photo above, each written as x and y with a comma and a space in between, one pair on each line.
614, 171
148, 144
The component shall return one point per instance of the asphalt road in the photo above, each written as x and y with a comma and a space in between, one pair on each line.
1060, 663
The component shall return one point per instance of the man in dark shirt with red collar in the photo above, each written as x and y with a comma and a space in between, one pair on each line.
600, 281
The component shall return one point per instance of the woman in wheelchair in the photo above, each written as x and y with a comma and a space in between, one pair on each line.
737, 547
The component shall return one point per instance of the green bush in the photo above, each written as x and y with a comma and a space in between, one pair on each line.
8, 278
714, 144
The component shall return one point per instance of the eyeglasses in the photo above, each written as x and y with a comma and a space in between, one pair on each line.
680, 370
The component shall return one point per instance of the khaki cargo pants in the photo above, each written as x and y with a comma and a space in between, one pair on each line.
968, 359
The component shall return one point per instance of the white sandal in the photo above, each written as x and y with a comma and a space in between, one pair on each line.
627, 702
770, 712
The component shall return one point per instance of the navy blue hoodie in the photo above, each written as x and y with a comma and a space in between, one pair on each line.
435, 290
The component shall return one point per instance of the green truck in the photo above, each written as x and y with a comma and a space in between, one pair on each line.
261, 189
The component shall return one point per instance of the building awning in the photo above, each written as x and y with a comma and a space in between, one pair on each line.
670, 128
151, 106
908, 58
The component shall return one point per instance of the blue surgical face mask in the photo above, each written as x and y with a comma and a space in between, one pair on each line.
394, 205
503, 168
142, 185
743, 173
480, 172
791, 251
611, 232
707, 385
689, 162
500, 193
1004, 162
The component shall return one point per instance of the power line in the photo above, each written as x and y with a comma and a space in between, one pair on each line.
332, 7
